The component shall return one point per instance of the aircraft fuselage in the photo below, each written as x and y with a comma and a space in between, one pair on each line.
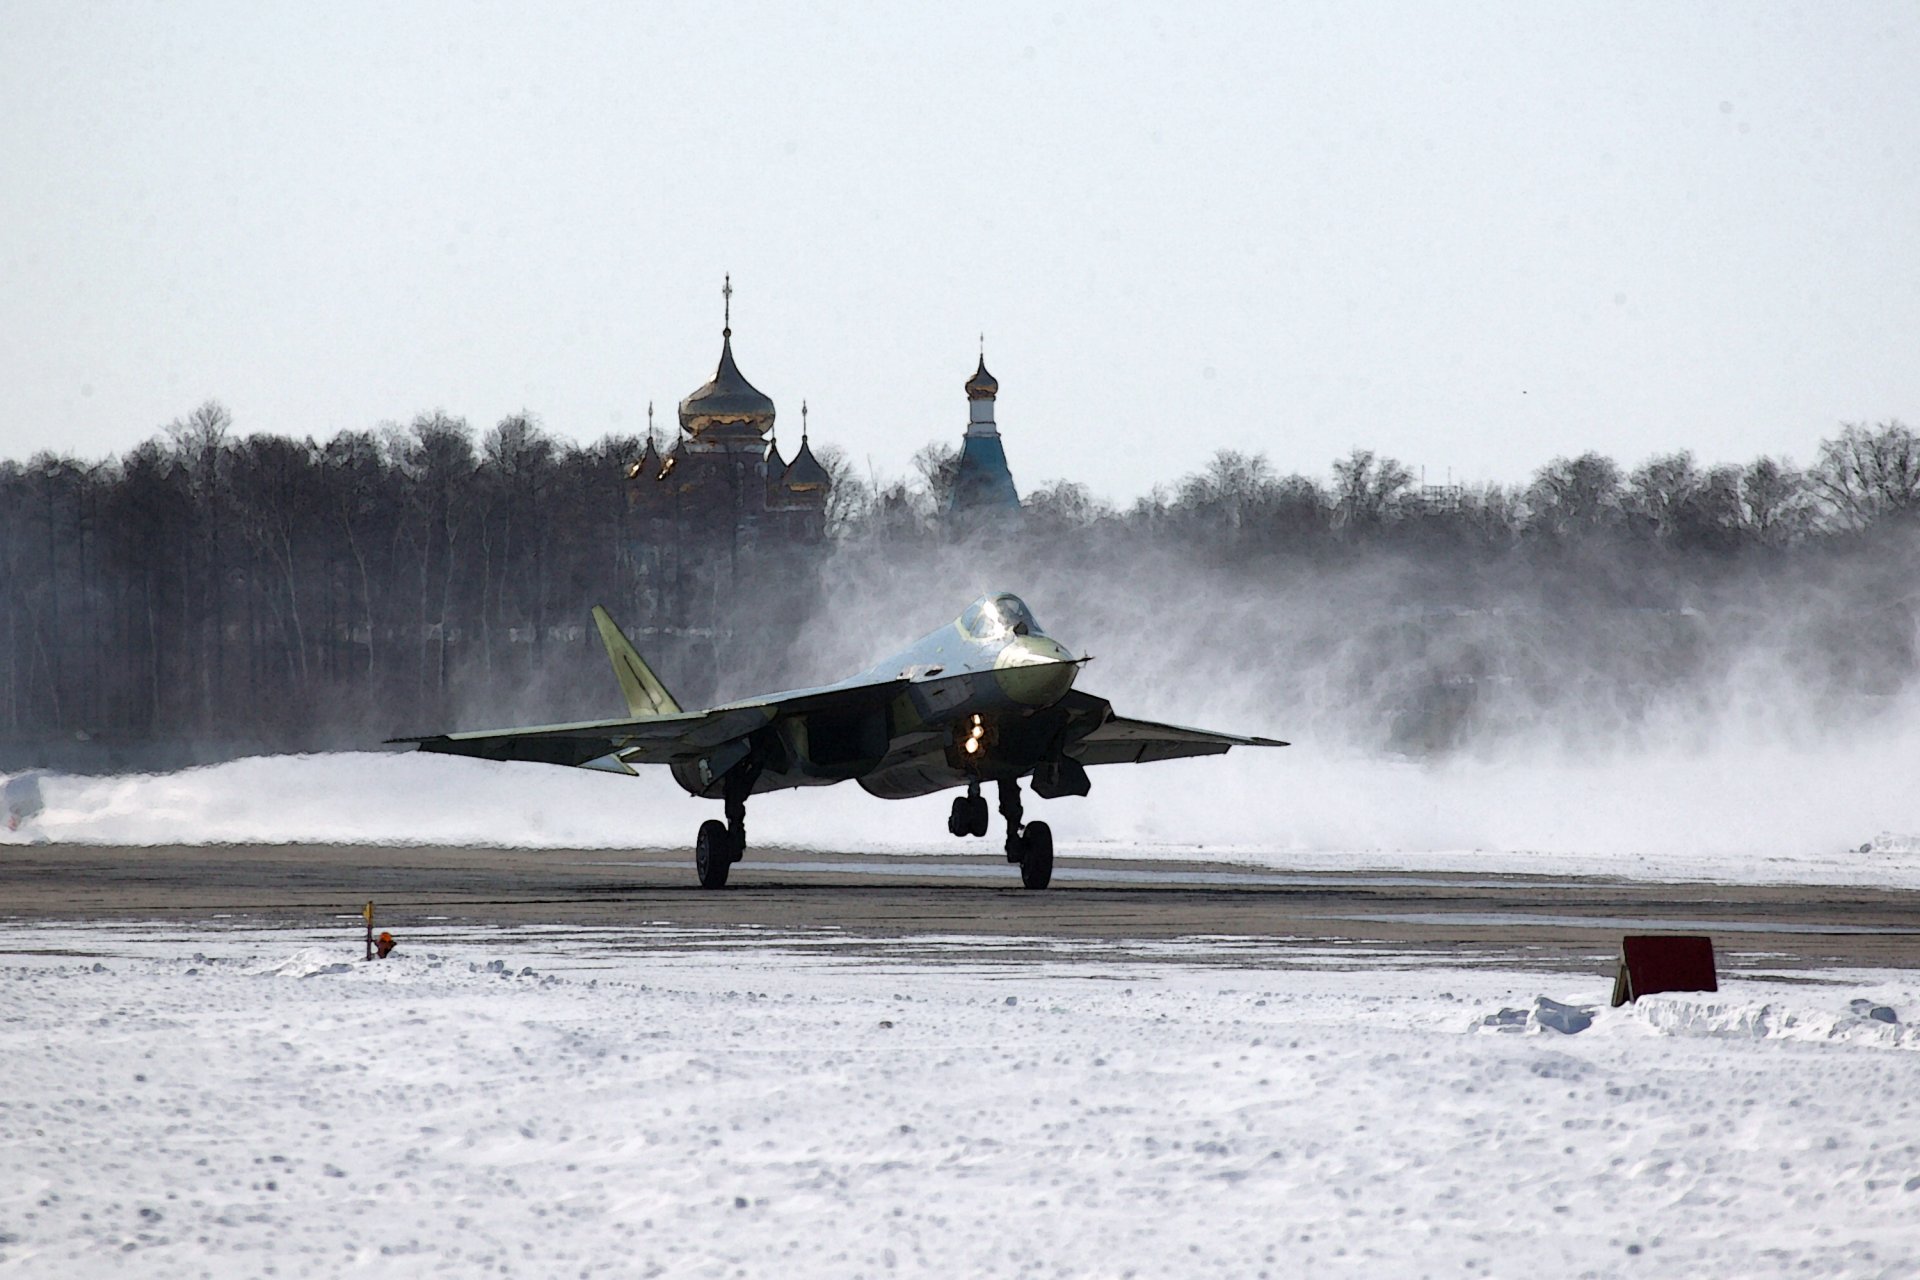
976, 702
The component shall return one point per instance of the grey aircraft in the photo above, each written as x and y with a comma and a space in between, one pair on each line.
987, 698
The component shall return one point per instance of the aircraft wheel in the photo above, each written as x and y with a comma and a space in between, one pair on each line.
1036, 855
960, 821
713, 854
977, 815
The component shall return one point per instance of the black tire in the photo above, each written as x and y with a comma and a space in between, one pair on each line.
713, 854
979, 814
1036, 856
960, 818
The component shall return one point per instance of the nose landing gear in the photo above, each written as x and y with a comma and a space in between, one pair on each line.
1036, 856
1031, 844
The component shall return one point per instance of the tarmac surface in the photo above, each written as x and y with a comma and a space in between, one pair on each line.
937, 904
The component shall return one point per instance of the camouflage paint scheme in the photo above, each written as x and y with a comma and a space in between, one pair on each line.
899, 729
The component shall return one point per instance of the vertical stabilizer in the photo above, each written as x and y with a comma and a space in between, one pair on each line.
646, 696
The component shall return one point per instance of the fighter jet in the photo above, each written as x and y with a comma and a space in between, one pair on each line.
989, 698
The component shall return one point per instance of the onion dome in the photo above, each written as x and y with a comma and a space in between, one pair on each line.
727, 399
806, 474
776, 465
675, 456
648, 468
982, 385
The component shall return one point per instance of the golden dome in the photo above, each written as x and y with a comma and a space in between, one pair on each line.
727, 398
982, 385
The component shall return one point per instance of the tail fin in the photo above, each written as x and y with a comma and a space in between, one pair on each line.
646, 696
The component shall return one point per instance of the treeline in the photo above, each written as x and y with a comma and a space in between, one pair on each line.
244, 592
1865, 476
1592, 609
261, 590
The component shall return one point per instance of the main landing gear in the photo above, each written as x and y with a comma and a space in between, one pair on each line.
969, 816
721, 844
1030, 845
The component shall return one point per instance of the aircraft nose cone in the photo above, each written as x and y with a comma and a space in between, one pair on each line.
1034, 670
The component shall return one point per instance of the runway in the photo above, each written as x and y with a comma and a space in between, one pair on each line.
897, 903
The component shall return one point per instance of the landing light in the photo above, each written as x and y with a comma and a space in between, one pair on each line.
973, 745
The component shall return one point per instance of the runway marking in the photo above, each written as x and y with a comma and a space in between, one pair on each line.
1115, 875
1659, 924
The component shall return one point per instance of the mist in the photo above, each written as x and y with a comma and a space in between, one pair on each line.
1670, 664
1565, 705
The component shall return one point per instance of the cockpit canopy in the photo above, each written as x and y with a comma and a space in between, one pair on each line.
999, 615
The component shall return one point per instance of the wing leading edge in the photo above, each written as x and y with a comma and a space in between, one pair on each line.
1121, 740
676, 738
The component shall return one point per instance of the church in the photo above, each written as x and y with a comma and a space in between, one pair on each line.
723, 488
982, 484
719, 516
724, 479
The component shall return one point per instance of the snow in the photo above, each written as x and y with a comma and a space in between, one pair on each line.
1837, 815
193, 1100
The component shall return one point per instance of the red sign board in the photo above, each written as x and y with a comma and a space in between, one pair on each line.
1663, 962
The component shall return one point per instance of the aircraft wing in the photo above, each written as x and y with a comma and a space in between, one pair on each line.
616, 745
1119, 740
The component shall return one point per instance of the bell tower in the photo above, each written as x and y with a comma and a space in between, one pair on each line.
983, 482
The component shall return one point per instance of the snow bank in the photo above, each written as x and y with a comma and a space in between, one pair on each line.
635, 1102
1858, 1020
1771, 815
1862, 1021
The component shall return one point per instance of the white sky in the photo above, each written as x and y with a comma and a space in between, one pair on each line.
1473, 237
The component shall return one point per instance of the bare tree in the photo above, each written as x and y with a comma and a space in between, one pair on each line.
1062, 506
1776, 506
436, 456
1866, 474
938, 466
1365, 487
1575, 496
274, 493
200, 441
849, 496
517, 459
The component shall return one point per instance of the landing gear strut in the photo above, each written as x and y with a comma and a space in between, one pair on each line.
969, 815
1031, 844
721, 844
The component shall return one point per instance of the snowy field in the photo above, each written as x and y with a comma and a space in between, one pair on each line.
644, 1102
1840, 815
